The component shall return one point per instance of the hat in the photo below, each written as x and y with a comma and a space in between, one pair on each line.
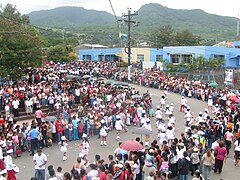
119, 166
143, 111
158, 107
84, 135
4, 171
181, 144
171, 104
206, 110
195, 136
167, 105
188, 107
81, 155
216, 105
147, 120
63, 138
195, 149
151, 151
102, 121
117, 117
200, 112
9, 151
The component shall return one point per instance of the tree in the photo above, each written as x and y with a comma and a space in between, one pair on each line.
166, 36
186, 38
162, 37
59, 53
20, 44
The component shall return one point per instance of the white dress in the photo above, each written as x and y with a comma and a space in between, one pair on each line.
63, 148
103, 131
162, 137
170, 134
119, 125
85, 147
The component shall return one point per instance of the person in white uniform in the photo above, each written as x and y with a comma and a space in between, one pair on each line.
119, 126
103, 133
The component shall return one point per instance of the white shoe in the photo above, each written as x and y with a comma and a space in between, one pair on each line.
64, 158
105, 143
117, 138
102, 143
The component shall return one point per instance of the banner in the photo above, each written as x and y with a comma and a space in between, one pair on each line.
228, 75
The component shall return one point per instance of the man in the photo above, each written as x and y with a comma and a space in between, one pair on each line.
33, 134
15, 105
183, 166
40, 160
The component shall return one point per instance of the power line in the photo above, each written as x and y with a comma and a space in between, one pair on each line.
110, 2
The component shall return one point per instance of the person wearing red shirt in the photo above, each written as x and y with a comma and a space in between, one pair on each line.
102, 175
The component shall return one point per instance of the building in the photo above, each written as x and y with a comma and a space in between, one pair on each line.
172, 54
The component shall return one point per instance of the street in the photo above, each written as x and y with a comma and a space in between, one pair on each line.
54, 154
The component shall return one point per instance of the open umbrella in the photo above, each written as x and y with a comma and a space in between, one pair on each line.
131, 145
213, 84
50, 118
86, 76
141, 131
69, 77
136, 96
109, 82
233, 98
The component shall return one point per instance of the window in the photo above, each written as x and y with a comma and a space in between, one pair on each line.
187, 58
87, 57
159, 57
175, 58
140, 57
219, 57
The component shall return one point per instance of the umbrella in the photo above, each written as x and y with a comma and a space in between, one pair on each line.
131, 145
233, 98
50, 118
109, 81
213, 84
197, 83
86, 76
141, 131
69, 77
136, 96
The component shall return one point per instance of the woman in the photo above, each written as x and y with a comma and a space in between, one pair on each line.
128, 172
148, 126
220, 155
119, 126
195, 160
208, 161
103, 132
237, 151
67, 176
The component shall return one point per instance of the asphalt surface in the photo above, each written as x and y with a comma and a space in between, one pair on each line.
26, 165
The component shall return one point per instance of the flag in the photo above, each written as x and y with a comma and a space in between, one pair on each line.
122, 35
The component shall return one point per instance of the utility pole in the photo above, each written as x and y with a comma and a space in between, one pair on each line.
129, 21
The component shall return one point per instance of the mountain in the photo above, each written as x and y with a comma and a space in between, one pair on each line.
151, 17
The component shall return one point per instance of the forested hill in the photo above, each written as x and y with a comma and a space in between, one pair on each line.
151, 17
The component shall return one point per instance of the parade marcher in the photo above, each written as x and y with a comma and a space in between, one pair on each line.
85, 145
103, 132
148, 126
119, 126
63, 148
11, 174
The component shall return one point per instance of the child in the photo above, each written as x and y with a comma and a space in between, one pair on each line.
63, 148
49, 141
59, 174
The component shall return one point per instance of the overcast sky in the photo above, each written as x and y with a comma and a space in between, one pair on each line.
220, 7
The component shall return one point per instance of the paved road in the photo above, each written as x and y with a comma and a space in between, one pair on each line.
54, 155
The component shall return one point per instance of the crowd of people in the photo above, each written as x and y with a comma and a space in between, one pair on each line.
84, 106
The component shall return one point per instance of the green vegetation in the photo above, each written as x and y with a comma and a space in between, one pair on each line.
20, 44
152, 17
